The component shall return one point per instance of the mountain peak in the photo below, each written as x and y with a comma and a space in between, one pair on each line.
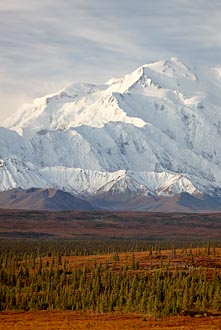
83, 104
171, 68
153, 132
167, 74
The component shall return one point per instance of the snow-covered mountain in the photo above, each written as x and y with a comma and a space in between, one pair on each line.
153, 133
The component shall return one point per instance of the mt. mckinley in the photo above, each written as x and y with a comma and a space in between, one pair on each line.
148, 141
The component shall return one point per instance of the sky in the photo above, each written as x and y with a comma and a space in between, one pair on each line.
47, 44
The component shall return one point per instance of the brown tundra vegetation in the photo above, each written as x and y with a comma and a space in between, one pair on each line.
112, 283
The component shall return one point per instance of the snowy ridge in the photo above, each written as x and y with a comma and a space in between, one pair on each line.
87, 182
153, 132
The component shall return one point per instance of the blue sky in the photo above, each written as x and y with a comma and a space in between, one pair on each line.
45, 44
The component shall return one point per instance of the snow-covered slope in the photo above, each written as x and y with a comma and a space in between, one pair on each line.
154, 132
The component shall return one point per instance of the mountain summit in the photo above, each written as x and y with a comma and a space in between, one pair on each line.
152, 134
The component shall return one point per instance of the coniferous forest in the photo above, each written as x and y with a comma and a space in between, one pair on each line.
152, 278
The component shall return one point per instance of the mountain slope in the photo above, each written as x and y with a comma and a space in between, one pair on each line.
154, 132
41, 199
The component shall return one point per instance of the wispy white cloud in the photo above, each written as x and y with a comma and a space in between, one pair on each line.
44, 43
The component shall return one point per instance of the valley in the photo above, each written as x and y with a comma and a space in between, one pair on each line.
110, 225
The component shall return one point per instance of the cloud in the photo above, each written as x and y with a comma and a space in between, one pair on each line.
45, 43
